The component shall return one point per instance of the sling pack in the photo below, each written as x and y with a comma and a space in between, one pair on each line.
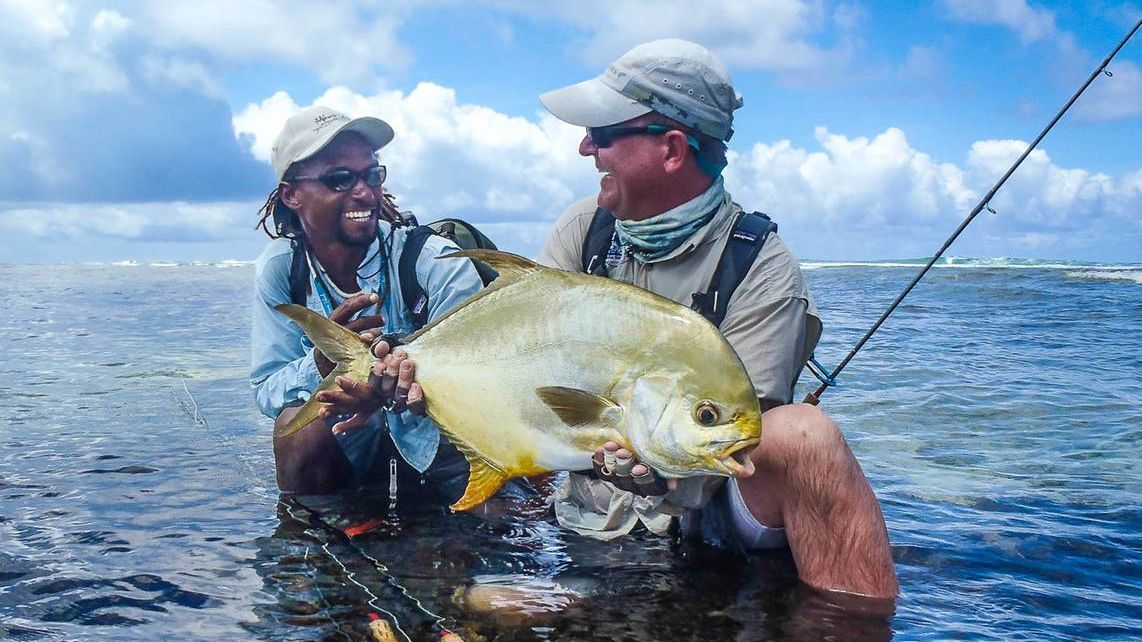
463, 234
746, 240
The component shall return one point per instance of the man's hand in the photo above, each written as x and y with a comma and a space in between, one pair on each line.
391, 385
368, 326
618, 466
394, 379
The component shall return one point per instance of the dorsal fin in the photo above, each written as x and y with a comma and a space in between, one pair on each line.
510, 266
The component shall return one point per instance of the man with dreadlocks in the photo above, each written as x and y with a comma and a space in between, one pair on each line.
334, 226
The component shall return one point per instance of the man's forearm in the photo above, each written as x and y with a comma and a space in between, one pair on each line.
310, 461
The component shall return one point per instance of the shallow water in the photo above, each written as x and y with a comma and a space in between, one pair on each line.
998, 415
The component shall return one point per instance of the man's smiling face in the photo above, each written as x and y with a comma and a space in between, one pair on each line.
330, 217
631, 170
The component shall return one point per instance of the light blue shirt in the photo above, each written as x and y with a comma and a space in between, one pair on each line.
282, 369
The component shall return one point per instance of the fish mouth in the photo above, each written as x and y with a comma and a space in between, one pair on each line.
736, 460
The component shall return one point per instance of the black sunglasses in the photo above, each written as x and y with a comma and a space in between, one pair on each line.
606, 136
343, 180
602, 137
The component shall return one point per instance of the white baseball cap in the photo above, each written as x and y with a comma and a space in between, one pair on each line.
679, 79
308, 132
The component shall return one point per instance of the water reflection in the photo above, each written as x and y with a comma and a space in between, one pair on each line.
505, 572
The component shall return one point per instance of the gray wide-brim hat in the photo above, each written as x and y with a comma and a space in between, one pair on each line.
308, 132
679, 79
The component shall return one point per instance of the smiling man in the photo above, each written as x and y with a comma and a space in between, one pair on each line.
334, 251
657, 121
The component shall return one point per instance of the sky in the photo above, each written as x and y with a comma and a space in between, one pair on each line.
140, 130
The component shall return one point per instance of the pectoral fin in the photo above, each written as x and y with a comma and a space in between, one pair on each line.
580, 407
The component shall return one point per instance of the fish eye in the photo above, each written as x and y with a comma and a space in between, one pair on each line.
706, 413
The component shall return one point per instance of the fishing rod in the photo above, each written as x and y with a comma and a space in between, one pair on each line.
829, 378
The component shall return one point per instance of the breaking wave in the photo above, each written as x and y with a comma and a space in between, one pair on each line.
1126, 271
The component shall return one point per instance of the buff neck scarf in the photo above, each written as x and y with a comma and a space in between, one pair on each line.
659, 235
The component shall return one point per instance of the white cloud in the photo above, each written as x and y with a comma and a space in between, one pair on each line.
127, 103
338, 40
1115, 97
1048, 197
35, 22
452, 159
107, 27
888, 198
776, 35
880, 197
1031, 24
133, 221
860, 181
181, 73
48, 40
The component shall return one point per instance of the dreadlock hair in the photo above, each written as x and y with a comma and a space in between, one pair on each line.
711, 152
286, 223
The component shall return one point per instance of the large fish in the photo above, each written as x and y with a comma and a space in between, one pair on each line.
543, 366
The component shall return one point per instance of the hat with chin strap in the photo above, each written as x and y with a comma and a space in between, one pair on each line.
308, 132
679, 79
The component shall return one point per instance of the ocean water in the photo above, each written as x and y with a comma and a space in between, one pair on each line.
998, 415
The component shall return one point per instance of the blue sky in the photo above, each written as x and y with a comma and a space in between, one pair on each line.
140, 130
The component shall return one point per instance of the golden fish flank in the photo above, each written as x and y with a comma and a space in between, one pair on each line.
543, 366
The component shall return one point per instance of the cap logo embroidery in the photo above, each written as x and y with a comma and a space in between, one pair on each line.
324, 120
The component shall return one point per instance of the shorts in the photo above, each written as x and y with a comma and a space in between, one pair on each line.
726, 522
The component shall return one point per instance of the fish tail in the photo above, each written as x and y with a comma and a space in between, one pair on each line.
308, 412
343, 346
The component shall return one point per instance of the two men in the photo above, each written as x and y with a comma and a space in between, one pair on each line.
657, 121
335, 251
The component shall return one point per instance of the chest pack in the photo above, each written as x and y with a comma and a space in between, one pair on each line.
747, 237
461, 233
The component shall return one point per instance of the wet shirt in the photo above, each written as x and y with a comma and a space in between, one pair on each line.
771, 320
282, 369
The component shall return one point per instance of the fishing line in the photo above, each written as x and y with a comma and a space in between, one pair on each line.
829, 378
399, 594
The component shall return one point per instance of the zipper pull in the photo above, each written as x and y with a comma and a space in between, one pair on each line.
392, 483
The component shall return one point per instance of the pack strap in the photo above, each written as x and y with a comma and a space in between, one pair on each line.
414, 296
298, 273
749, 233
598, 242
